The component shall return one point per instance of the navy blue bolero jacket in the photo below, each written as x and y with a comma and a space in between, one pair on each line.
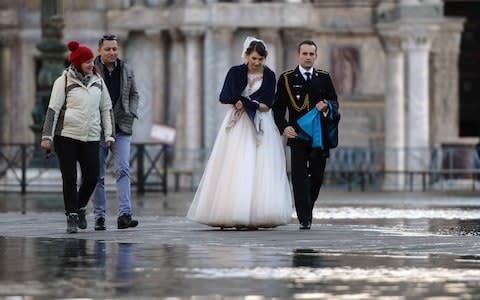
236, 81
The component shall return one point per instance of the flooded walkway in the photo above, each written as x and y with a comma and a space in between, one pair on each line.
361, 246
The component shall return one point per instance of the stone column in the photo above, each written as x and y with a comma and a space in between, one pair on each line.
8, 118
193, 95
394, 108
176, 91
218, 53
159, 99
445, 94
139, 55
272, 39
291, 39
418, 38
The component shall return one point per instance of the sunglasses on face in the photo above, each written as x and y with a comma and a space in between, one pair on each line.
109, 37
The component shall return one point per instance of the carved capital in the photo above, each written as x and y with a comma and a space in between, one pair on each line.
7, 39
223, 33
175, 34
390, 38
192, 31
270, 35
295, 36
419, 37
447, 40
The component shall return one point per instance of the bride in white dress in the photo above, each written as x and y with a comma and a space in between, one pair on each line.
245, 182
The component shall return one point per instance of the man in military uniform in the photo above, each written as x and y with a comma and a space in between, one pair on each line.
301, 90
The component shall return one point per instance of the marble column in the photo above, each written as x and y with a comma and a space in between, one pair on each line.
140, 57
271, 37
193, 95
394, 109
218, 53
445, 76
8, 118
176, 92
159, 99
418, 39
291, 39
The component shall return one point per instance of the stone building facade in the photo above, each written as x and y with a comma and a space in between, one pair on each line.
394, 62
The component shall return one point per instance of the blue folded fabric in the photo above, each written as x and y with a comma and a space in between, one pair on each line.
311, 128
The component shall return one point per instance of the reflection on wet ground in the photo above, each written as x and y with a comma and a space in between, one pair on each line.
371, 248
70, 268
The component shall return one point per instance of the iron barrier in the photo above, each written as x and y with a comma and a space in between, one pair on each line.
158, 167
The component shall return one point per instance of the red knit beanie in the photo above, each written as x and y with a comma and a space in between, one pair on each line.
79, 53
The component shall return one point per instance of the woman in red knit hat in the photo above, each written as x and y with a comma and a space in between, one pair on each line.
78, 111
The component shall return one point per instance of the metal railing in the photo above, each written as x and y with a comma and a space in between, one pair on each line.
349, 168
23, 168
445, 167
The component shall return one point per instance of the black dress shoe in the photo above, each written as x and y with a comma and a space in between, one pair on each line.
100, 224
305, 225
126, 221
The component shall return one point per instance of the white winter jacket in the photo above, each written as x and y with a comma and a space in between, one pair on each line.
83, 114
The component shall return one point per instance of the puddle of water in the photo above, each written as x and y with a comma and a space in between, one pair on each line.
351, 212
419, 221
71, 268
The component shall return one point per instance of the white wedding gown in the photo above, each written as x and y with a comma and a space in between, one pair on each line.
245, 183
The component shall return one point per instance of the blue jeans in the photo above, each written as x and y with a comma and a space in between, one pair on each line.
121, 165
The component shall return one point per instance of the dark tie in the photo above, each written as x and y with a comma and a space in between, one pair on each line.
308, 76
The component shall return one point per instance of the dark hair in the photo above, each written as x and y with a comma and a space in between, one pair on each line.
258, 47
307, 42
106, 37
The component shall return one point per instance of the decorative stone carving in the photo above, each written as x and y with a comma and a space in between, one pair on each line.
418, 36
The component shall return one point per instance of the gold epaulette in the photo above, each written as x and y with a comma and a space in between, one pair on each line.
288, 72
321, 71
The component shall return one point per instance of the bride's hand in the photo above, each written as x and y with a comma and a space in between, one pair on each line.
263, 108
239, 105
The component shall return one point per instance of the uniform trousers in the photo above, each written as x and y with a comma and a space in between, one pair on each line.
308, 167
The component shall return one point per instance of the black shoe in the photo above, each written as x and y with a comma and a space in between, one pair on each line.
126, 221
72, 223
305, 225
82, 219
100, 224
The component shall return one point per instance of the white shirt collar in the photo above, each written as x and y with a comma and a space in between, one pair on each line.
302, 71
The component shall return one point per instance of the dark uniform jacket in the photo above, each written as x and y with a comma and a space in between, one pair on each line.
299, 97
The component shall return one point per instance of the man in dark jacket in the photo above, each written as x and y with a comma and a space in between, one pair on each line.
120, 82
300, 90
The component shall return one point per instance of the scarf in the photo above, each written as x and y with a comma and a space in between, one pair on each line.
84, 79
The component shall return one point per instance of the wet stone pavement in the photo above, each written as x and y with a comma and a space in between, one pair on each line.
361, 246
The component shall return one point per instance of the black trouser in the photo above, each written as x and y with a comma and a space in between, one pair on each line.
69, 152
308, 166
